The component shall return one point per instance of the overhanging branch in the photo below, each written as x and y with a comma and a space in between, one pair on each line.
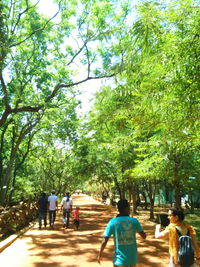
15, 110
62, 85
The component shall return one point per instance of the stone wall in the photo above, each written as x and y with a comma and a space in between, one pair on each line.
15, 218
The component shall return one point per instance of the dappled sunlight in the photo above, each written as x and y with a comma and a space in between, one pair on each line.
68, 247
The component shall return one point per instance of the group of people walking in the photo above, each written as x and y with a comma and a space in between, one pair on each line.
49, 205
123, 228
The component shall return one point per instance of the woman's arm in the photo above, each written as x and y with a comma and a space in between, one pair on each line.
161, 234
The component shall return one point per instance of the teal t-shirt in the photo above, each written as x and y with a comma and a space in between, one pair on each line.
123, 229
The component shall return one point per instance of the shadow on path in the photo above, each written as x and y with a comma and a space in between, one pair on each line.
69, 248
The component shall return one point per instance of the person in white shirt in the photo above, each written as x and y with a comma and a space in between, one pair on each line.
52, 206
66, 206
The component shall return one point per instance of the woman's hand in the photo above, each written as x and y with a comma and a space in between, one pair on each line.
161, 234
158, 227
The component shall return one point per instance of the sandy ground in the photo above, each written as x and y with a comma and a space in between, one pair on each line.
70, 248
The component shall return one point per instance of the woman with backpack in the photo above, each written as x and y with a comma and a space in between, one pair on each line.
183, 246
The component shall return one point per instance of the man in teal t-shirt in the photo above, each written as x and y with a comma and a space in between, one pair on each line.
124, 229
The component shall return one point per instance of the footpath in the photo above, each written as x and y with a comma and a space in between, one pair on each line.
70, 248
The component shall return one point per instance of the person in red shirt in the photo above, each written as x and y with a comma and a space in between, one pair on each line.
76, 222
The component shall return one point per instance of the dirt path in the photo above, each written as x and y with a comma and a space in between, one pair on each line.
69, 248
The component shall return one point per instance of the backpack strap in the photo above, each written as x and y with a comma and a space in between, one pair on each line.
179, 233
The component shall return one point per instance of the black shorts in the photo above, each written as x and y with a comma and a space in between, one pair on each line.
76, 223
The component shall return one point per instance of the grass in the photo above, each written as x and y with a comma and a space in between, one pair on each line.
194, 220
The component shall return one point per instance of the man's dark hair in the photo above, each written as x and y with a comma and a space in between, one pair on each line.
122, 204
178, 212
43, 194
68, 196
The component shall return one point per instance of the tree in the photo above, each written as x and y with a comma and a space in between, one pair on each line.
159, 86
162, 82
42, 62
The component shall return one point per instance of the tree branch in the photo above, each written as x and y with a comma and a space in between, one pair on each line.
80, 50
6, 103
58, 86
39, 29
26, 108
88, 60
8, 111
24, 156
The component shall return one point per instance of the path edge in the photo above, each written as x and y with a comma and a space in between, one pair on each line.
8, 241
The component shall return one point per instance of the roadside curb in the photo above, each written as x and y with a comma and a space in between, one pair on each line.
8, 241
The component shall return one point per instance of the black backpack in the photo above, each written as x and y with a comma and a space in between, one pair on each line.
186, 249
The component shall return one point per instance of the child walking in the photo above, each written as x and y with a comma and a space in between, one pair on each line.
76, 222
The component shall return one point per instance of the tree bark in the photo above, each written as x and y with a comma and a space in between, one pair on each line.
177, 181
151, 194
134, 198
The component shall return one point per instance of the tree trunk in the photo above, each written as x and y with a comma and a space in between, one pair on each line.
6, 179
7, 175
177, 181
123, 196
177, 194
129, 194
145, 200
117, 186
152, 208
191, 202
151, 198
134, 199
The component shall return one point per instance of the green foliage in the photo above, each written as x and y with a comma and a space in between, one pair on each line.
194, 220
41, 63
144, 125
154, 101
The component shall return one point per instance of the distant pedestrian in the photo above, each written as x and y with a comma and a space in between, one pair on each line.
76, 222
176, 228
66, 206
42, 210
52, 206
124, 229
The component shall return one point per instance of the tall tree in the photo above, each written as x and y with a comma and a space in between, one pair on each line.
43, 61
